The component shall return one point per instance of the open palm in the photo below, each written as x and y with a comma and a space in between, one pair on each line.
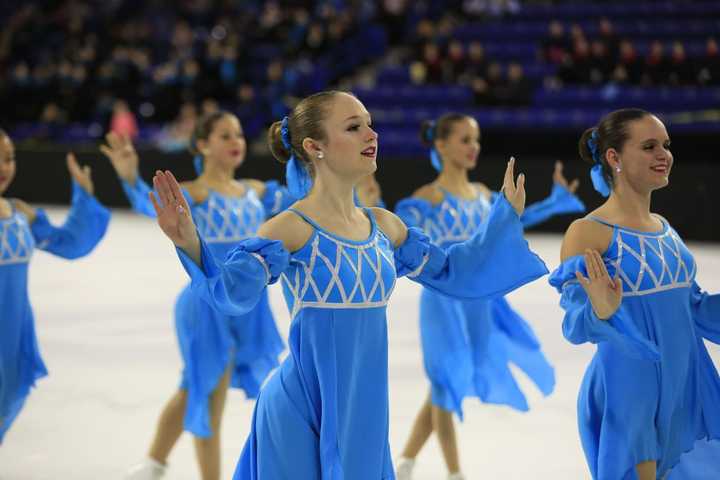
559, 178
605, 293
81, 175
173, 212
122, 155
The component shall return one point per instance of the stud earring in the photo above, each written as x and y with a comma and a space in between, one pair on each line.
617, 169
320, 155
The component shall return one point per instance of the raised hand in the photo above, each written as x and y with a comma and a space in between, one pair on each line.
82, 175
514, 192
560, 179
121, 153
605, 293
173, 214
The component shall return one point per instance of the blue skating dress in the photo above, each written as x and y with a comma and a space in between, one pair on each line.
468, 345
324, 413
20, 361
209, 340
651, 391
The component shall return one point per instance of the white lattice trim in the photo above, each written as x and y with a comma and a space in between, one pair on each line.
15, 261
342, 306
419, 269
262, 261
663, 288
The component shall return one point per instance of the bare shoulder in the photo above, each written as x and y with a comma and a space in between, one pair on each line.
288, 228
257, 185
429, 192
197, 191
391, 225
583, 234
24, 208
483, 189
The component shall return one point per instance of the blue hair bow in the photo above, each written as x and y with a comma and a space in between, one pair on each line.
435, 159
296, 175
596, 172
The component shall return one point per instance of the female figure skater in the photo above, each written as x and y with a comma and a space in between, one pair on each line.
22, 229
324, 413
218, 350
651, 392
468, 345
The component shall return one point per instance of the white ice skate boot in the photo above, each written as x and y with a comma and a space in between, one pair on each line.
404, 468
149, 469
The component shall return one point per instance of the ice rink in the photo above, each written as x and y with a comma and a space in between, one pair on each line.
105, 328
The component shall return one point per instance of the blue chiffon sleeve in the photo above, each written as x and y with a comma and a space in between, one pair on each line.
706, 313
581, 325
413, 211
83, 229
495, 261
276, 198
139, 197
235, 285
560, 202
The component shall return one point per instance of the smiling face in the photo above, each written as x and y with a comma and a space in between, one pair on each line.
225, 144
461, 146
7, 162
349, 148
645, 160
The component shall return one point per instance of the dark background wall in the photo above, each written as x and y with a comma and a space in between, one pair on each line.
690, 203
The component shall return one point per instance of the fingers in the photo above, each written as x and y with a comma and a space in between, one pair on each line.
521, 184
508, 181
108, 152
574, 185
163, 189
155, 204
114, 140
590, 265
177, 193
581, 278
596, 268
72, 162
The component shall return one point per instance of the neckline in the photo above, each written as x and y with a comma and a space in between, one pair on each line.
339, 238
447, 192
663, 231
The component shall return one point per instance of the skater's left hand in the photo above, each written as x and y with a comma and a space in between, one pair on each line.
514, 192
82, 175
560, 179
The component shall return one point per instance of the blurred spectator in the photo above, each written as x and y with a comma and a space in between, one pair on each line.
681, 70
556, 45
476, 65
709, 73
433, 64
123, 121
175, 137
601, 64
656, 68
516, 90
456, 62
607, 36
629, 63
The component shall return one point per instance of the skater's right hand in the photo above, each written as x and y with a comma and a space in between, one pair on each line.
121, 153
173, 214
605, 293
